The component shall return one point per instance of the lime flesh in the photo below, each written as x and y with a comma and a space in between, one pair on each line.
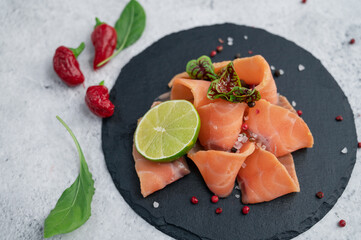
167, 131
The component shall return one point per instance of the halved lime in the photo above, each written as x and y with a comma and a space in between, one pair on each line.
167, 131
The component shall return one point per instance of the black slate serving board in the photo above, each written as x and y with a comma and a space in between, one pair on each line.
322, 168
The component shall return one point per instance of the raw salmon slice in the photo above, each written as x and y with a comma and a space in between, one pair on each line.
154, 176
283, 102
287, 161
221, 123
254, 71
194, 91
279, 129
264, 178
219, 169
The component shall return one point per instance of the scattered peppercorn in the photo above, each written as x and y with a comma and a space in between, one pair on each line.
250, 52
251, 104
219, 48
219, 210
238, 55
213, 53
234, 149
251, 139
214, 199
245, 210
277, 73
339, 118
194, 200
244, 127
299, 112
319, 195
352, 41
359, 145
220, 40
342, 223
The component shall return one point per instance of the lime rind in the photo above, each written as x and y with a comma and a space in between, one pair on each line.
167, 130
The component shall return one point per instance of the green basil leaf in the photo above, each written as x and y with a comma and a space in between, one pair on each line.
129, 27
73, 207
202, 68
130, 24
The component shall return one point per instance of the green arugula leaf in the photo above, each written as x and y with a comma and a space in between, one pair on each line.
129, 27
228, 86
202, 68
73, 207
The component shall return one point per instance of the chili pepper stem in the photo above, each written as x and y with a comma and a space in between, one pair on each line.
109, 58
78, 50
97, 22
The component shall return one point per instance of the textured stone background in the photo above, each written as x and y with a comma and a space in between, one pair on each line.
38, 158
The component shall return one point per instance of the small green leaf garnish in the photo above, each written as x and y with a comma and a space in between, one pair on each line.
129, 27
101, 83
228, 86
73, 207
202, 68
78, 50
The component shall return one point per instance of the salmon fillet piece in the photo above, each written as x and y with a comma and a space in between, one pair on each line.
254, 71
279, 129
287, 161
283, 102
154, 176
194, 91
264, 178
221, 123
219, 169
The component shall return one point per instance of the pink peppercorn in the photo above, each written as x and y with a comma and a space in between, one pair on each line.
245, 210
339, 118
213, 53
342, 223
219, 210
352, 41
359, 145
244, 127
320, 195
194, 200
219, 48
250, 52
299, 112
214, 199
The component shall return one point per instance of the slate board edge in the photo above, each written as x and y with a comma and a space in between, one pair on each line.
311, 221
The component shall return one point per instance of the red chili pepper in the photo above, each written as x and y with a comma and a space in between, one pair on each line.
66, 65
97, 99
104, 39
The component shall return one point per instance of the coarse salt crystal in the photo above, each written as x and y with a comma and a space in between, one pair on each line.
245, 37
273, 68
155, 204
344, 150
246, 118
244, 165
238, 145
229, 39
254, 135
237, 195
259, 145
282, 72
230, 43
236, 187
293, 104
301, 67
263, 147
